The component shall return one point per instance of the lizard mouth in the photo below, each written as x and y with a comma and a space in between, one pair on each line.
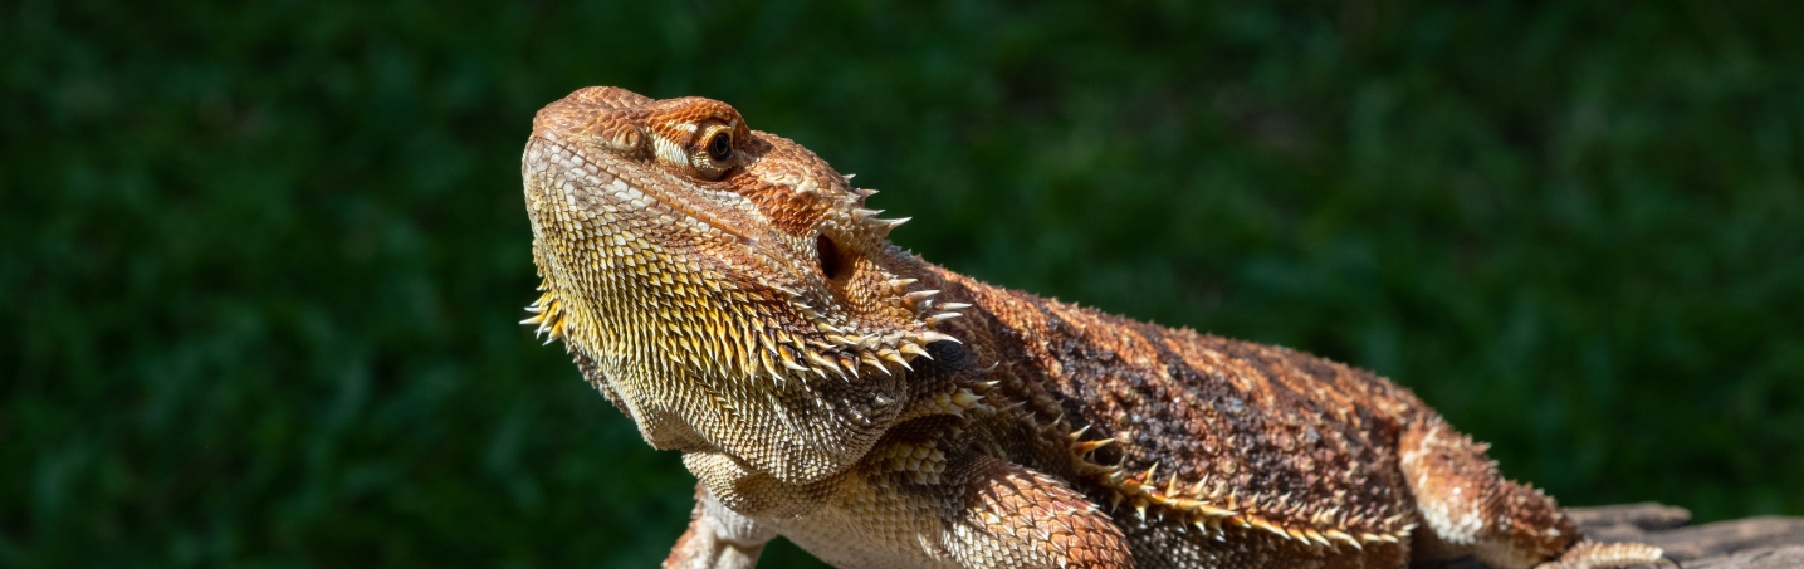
550, 156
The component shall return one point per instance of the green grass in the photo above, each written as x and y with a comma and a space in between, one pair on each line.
262, 267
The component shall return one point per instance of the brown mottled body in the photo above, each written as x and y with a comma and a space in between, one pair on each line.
727, 290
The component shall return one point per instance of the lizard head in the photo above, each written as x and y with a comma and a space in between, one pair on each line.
723, 286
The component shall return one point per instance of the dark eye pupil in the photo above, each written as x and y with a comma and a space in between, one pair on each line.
720, 147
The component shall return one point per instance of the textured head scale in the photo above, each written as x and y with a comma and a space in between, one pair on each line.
723, 286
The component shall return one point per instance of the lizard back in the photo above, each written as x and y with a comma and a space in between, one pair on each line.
1191, 434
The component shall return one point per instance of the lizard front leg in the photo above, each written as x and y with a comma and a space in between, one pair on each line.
912, 506
718, 537
1016, 517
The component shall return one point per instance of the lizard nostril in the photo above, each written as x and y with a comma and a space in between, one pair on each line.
833, 266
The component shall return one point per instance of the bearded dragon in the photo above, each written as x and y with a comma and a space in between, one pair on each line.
727, 289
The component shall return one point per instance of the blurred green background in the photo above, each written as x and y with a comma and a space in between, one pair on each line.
263, 262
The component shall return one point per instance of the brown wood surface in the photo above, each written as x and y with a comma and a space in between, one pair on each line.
1751, 543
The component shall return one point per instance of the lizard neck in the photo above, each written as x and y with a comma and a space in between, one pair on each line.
1004, 334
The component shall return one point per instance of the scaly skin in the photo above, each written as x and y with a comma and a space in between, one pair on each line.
727, 290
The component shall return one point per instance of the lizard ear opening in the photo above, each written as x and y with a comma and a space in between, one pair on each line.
833, 263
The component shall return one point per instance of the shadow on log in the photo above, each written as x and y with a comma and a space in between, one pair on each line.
1752, 543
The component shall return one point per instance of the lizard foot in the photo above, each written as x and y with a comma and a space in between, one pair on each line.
1594, 555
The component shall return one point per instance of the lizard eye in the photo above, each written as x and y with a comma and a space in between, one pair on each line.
714, 155
720, 146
